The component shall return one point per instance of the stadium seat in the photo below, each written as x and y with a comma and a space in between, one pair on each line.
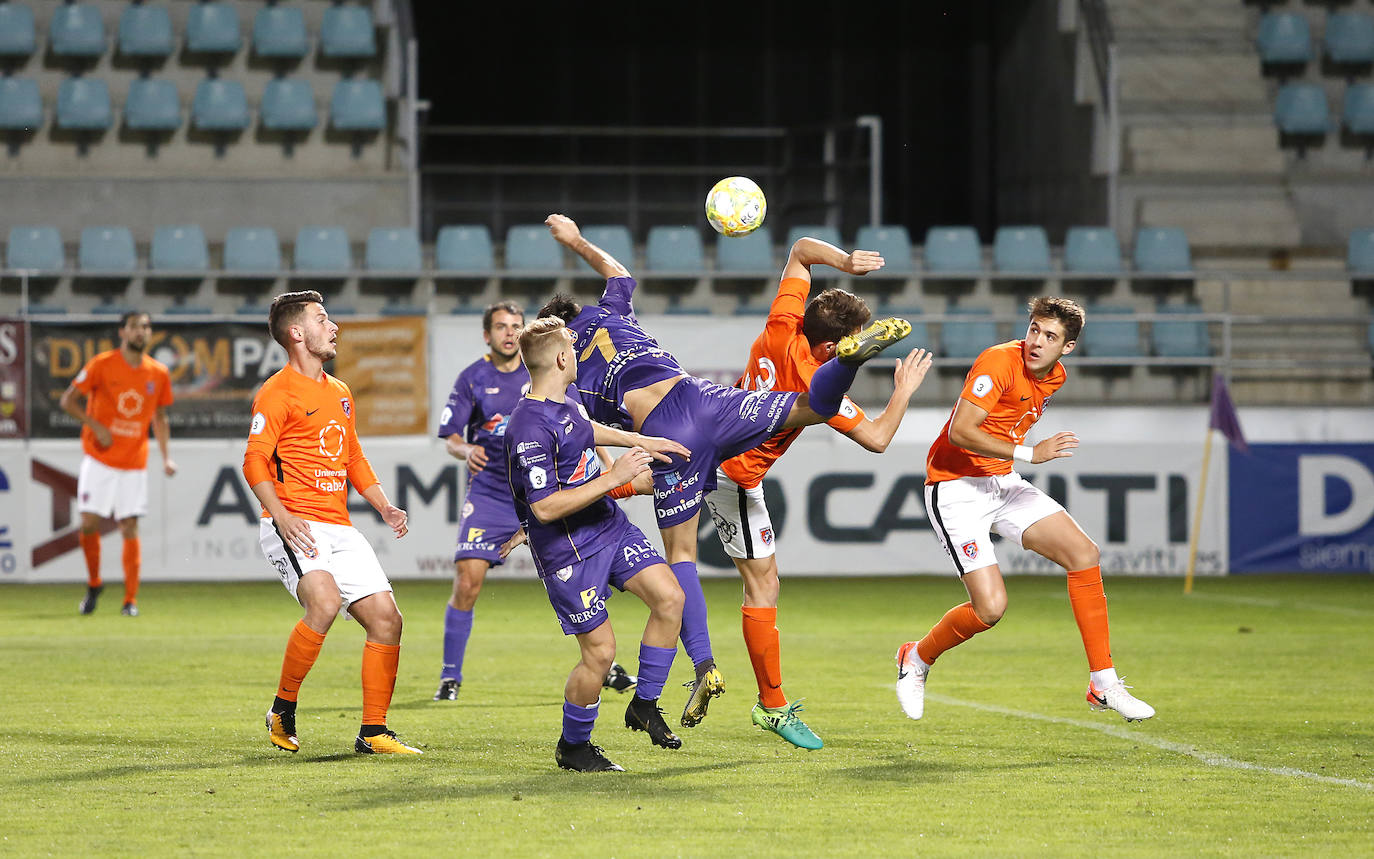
83, 104
18, 37
1350, 38
1301, 108
1021, 249
179, 248
107, 249
1284, 38
220, 105
1105, 337
288, 104
1359, 252
252, 249
213, 28
322, 249
357, 105
967, 339
1357, 108
145, 31
189, 310
1092, 249
751, 254
152, 105
675, 249
76, 30
830, 235
35, 248
953, 249
21, 107
615, 240
393, 249
1181, 339
464, 248
1162, 249
279, 31
892, 241
347, 32
531, 248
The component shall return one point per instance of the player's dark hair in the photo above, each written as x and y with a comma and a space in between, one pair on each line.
832, 315
286, 311
509, 306
131, 315
1065, 311
562, 306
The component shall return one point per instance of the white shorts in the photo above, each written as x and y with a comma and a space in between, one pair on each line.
105, 491
340, 550
966, 511
741, 518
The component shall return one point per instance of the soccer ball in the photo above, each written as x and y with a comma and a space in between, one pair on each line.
736, 206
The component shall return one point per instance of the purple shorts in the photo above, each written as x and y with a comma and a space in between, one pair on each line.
578, 592
715, 423
489, 520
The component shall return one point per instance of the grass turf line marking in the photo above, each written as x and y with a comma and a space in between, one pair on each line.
1273, 603
1209, 758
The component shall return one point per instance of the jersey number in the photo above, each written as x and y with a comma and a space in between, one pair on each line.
600, 340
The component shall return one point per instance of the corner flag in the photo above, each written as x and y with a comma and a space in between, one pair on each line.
1224, 416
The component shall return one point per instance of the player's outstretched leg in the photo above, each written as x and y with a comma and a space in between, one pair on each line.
644, 714
834, 378
858, 348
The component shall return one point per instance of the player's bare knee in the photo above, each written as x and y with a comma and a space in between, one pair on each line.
599, 656
128, 529
669, 603
990, 611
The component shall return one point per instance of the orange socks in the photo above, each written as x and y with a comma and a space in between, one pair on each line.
133, 560
761, 640
957, 626
302, 648
380, 662
1089, 603
90, 547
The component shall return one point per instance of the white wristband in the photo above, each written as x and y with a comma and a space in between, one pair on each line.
1023, 452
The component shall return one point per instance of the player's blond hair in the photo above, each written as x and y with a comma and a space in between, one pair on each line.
540, 342
1065, 311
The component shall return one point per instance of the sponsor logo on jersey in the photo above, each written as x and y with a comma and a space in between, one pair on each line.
497, 425
766, 535
347, 407
637, 552
493, 390
676, 484
587, 467
332, 439
564, 573
467, 509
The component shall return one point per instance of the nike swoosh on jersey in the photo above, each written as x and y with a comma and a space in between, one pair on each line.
311, 412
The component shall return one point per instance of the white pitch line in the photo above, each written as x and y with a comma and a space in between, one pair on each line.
1120, 732
1273, 603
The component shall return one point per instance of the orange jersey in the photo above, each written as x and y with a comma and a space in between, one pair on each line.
303, 440
780, 360
125, 398
1014, 400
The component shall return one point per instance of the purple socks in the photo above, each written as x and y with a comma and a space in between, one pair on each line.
578, 721
696, 636
654, 663
828, 386
457, 629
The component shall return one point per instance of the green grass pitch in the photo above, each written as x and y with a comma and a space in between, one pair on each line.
144, 736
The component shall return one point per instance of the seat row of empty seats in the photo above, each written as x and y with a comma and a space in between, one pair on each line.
1103, 337
287, 104
1302, 109
1285, 39
145, 30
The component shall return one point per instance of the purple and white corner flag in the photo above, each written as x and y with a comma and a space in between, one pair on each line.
1224, 416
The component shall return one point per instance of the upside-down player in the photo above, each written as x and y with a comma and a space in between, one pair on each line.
972, 489
626, 379
798, 337
302, 454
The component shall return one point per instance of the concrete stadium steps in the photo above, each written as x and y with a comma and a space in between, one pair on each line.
1216, 215
1203, 145
1169, 16
1158, 80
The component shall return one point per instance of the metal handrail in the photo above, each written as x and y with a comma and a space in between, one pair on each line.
1098, 25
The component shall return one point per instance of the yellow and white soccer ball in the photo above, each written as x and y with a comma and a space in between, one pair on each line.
736, 206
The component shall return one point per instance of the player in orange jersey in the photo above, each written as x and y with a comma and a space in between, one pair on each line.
972, 490
796, 340
302, 454
125, 391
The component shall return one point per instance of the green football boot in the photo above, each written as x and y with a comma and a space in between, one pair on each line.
785, 722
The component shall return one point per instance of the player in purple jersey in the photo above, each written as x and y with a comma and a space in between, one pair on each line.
583, 543
625, 378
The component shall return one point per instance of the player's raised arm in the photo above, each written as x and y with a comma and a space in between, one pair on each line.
807, 251
565, 231
877, 434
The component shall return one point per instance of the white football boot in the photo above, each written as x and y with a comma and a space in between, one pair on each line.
1115, 697
911, 681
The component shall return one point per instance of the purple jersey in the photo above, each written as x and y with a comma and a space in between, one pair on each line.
550, 447
479, 407
615, 356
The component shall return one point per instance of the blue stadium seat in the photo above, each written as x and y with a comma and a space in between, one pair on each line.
107, 249
676, 249
464, 248
953, 249
179, 248
35, 248
529, 247
220, 105
829, 235
145, 31
357, 105
189, 310
152, 105
1182, 339
615, 240
76, 30
1357, 108
322, 249
83, 104
279, 31
347, 32
1350, 37
21, 107
252, 249
213, 28
1021, 249
967, 339
288, 104
1105, 337
18, 37
1359, 252
1301, 108
1092, 249
751, 254
1162, 249
393, 249
892, 241
1284, 37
